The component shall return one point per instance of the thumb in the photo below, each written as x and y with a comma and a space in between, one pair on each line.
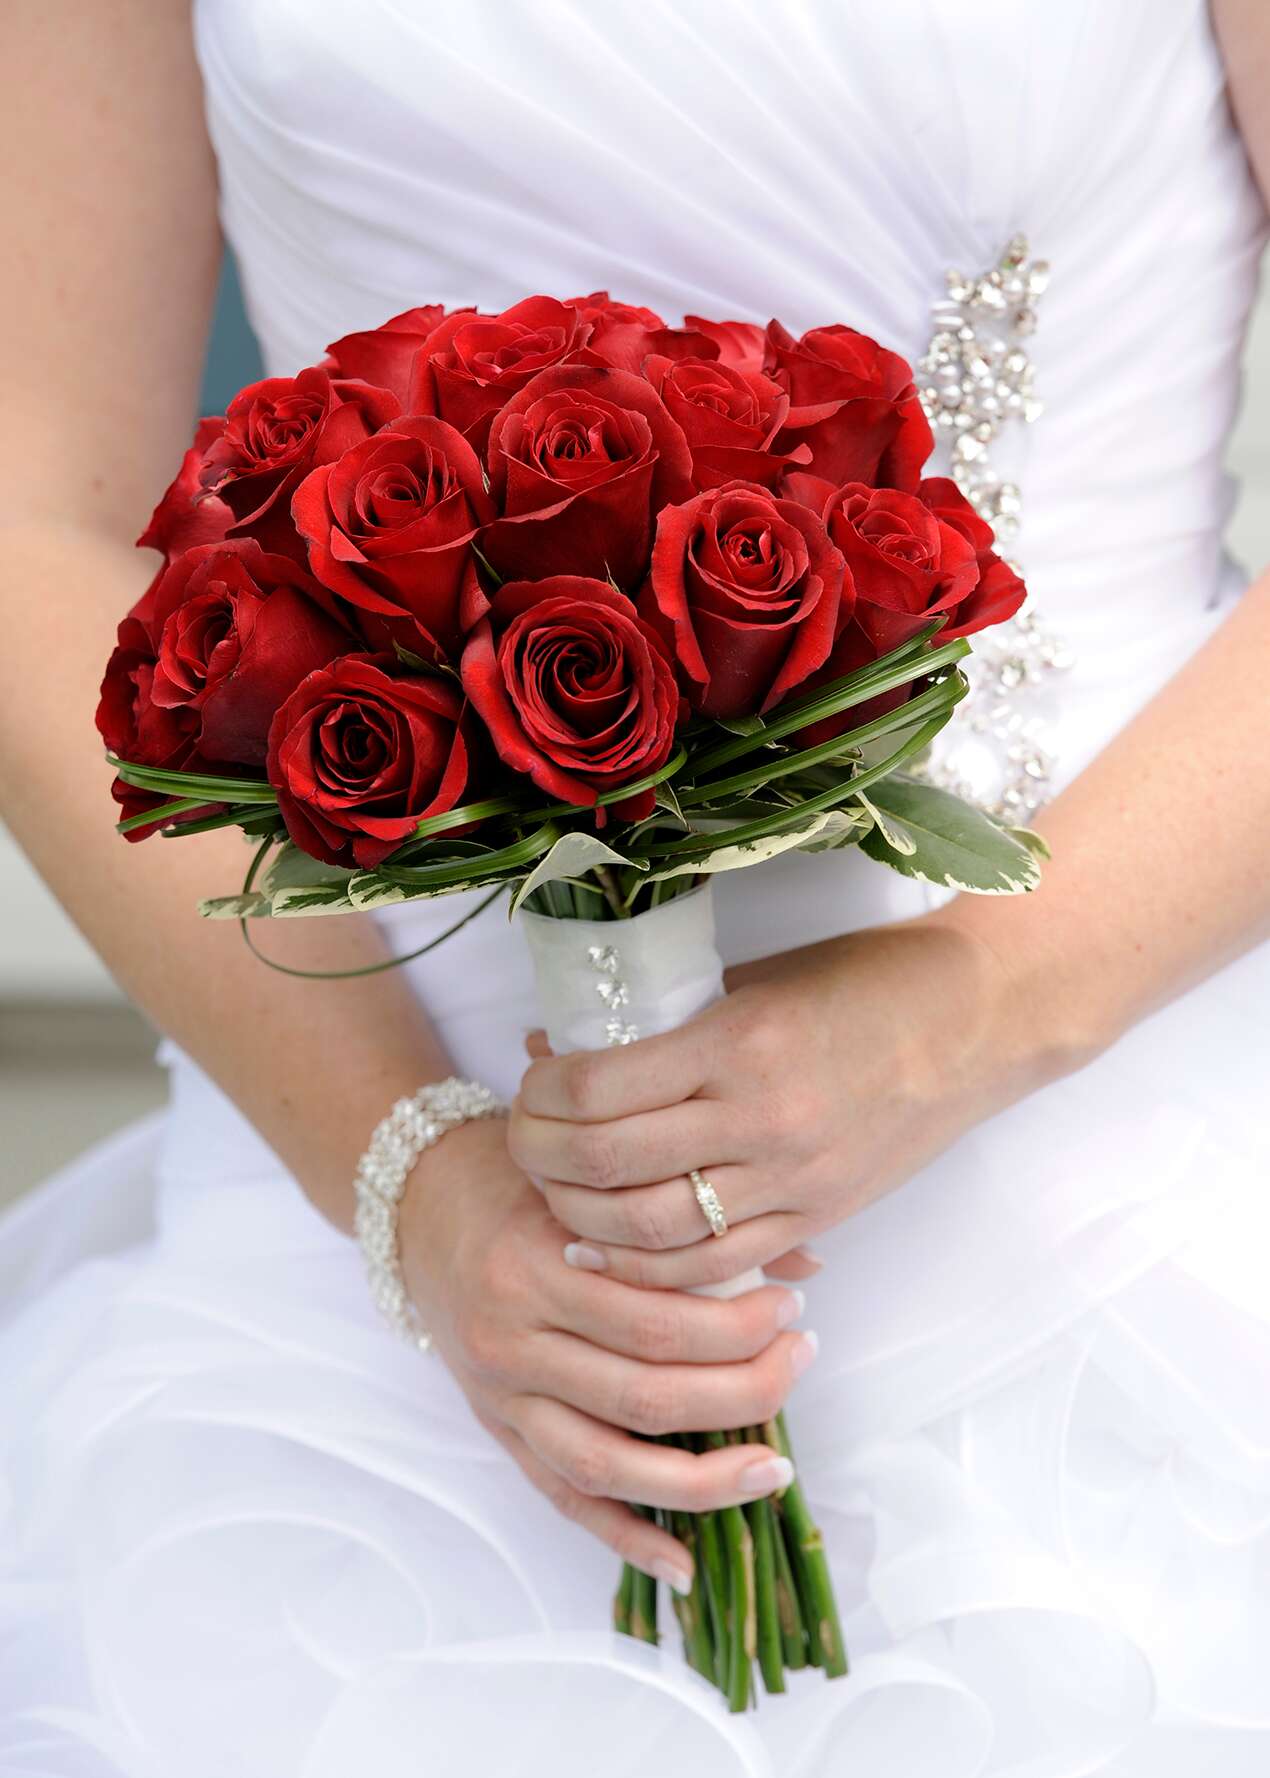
536, 1045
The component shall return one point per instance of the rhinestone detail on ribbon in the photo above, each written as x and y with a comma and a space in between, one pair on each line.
974, 378
613, 991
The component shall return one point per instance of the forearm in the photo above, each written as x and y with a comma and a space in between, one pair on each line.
1160, 852
313, 1065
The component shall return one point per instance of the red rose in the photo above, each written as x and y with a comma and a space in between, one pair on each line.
999, 591
728, 416
470, 364
581, 461
360, 753
907, 566
234, 632
853, 403
385, 355
274, 433
913, 558
574, 688
751, 590
624, 336
137, 729
182, 519
390, 528
742, 344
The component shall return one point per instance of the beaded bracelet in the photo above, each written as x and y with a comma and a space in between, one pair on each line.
411, 1126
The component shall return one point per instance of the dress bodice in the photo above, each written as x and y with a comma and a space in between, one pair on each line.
820, 160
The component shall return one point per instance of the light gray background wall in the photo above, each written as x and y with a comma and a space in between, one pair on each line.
42, 957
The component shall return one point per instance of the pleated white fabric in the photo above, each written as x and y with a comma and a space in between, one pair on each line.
240, 1529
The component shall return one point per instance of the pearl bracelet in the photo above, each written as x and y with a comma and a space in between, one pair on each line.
411, 1126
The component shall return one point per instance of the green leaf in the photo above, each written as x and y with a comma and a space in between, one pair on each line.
409, 658
895, 837
573, 855
741, 725
234, 907
749, 852
322, 898
291, 868
1034, 842
949, 841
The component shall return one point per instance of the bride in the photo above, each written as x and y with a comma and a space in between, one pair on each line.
1005, 1162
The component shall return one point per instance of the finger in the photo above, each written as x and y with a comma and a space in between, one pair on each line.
598, 1460
593, 1086
636, 1540
639, 1150
758, 1242
657, 1216
671, 1326
794, 1266
536, 1045
655, 1399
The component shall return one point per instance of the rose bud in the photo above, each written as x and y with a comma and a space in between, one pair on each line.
574, 689
235, 631
853, 403
729, 418
909, 566
750, 591
274, 433
471, 364
580, 462
361, 752
384, 356
390, 528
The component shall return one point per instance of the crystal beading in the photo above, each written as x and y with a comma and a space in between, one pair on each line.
974, 378
379, 1184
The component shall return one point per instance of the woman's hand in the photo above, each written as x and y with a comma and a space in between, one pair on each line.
825, 1078
564, 1367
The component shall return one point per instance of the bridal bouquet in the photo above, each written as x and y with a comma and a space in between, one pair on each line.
572, 604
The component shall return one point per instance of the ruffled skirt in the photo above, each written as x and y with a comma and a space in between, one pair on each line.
243, 1530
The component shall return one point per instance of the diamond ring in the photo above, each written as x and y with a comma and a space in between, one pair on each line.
708, 1199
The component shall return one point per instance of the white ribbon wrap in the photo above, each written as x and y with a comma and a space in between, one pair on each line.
609, 982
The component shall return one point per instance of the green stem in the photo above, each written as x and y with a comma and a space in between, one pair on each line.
762, 1522
742, 1613
644, 1608
715, 1585
622, 1600
793, 1635
811, 1567
692, 1609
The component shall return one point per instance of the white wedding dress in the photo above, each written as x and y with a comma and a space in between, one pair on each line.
242, 1530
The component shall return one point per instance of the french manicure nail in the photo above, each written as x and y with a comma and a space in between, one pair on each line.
804, 1353
586, 1259
790, 1307
810, 1255
768, 1476
677, 1578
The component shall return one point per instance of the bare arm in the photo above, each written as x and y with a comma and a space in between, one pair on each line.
111, 210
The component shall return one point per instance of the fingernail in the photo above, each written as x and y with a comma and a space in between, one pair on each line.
790, 1307
768, 1476
804, 1353
586, 1259
810, 1255
677, 1578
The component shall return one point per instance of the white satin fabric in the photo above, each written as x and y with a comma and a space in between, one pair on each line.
243, 1531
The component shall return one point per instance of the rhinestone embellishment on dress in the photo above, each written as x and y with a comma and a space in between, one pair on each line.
974, 378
